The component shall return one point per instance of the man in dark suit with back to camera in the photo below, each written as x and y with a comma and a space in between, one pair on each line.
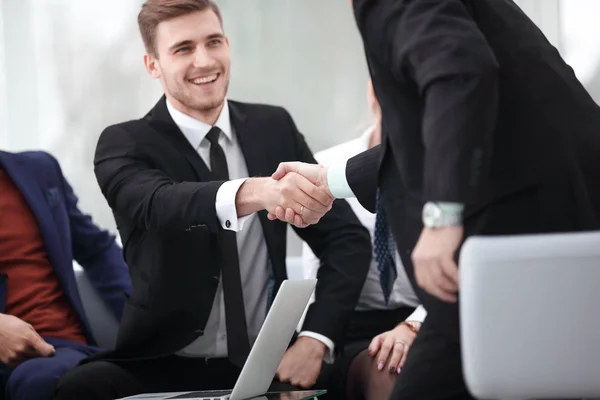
486, 131
205, 260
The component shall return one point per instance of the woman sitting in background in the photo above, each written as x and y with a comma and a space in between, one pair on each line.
386, 319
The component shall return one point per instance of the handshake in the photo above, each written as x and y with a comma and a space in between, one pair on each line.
297, 193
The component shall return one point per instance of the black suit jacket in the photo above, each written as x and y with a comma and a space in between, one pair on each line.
478, 108
163, 198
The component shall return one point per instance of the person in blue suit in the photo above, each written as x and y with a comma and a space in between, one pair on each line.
44, 331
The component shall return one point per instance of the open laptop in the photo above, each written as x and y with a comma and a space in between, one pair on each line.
528, 316
266, 353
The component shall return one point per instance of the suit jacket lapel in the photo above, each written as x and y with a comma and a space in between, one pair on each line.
25, 178
252, 141
161, 120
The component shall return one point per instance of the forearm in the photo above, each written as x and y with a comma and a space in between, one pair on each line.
165, 207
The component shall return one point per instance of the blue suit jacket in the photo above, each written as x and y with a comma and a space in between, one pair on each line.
68, 234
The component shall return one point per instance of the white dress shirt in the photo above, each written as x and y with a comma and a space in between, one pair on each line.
371, 297
251, 245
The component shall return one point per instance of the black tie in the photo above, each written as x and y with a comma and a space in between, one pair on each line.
238, 344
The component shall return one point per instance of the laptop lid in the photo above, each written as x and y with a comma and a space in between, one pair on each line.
266, 353
528, 308
273, 339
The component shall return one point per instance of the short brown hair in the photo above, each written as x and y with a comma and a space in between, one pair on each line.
154, 12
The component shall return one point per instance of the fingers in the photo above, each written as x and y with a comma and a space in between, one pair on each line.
433, 259
313, 172
41, 346
301, 375
298, 222
403, 360
282, 170
301, 203
306, 199
435, 284
285, 167
287, 215
431, 277
280, 213
31, 346
384, 353
291, 217
398, 352
306, 206
375, 344
445, 289
450, 270
319, 200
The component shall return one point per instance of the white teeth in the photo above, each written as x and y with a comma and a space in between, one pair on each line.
206, 79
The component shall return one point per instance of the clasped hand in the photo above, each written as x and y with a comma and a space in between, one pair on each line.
304, 207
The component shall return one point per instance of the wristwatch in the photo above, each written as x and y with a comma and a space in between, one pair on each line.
439, 215
412, 325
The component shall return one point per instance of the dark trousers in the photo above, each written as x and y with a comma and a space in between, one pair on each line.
107, 380
36, 378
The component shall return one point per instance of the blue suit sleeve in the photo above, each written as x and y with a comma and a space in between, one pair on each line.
99, 255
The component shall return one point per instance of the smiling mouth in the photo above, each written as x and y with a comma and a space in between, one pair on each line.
204, 80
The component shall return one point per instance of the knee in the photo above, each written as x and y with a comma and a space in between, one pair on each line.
88, 381
380, 384
27, 383
365, 381
71, 386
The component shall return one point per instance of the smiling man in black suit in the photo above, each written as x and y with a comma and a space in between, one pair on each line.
205, 260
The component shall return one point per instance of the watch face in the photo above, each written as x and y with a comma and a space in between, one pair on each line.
431, 214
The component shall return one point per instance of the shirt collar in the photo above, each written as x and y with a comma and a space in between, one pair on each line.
194, 130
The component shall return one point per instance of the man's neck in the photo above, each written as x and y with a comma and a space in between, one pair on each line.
209, 117
375, 137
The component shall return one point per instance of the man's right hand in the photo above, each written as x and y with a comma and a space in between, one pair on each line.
306, 202
315, 173
19, 341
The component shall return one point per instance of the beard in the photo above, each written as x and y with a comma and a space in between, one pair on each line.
183, 93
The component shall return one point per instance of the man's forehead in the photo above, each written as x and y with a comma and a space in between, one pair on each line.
193, 27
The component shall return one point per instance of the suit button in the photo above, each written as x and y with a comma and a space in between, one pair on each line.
228, 224
200, 331
216, 280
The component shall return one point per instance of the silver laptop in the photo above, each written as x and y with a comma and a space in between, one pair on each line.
529, 316
268, 349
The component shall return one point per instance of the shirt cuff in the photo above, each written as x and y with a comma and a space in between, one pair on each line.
337, 181
418, 315
225, 206
329, 354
